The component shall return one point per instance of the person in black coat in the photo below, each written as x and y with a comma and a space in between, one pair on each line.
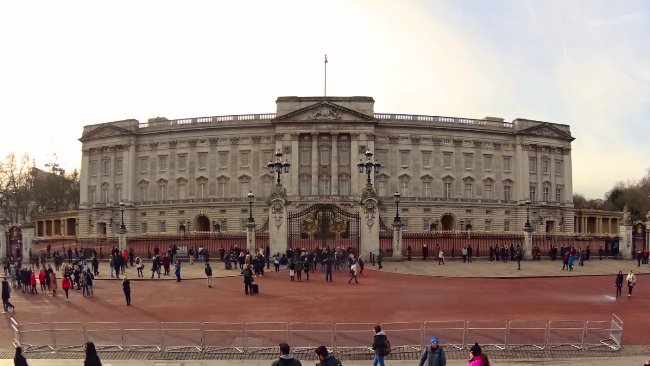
91, 359
126, 287
619, 283
6, 295
19, 359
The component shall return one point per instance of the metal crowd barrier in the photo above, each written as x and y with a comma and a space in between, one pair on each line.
342, 339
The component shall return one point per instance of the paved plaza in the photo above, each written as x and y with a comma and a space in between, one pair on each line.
604, 361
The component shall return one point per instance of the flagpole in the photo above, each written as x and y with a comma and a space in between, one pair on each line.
325, 92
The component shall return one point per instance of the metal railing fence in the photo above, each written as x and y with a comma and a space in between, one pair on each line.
343, 339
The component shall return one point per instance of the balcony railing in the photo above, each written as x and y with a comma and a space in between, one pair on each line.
420, 118
198, 120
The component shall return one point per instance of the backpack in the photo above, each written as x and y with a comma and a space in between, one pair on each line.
386, 346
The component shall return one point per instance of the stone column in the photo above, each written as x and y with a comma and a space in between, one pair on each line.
354, 159
28, 240
625, 244
278, 203
295, 164
369, 231
250, 236
314, 164
122, 241
397, 242
335, 165
4, 226
528, 245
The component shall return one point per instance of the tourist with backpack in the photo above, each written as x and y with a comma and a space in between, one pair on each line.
380, 345
434, 355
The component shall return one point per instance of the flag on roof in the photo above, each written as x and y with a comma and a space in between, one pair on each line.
325, 58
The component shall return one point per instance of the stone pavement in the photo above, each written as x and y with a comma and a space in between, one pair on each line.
452, 268
627, 361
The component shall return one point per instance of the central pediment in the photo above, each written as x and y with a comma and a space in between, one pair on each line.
325, 112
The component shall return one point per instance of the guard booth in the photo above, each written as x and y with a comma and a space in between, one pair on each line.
638, 239
14, 242
611, 247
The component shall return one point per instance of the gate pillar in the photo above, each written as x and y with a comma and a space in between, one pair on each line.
626, 231
250, 236
397, 242
528, 245
369, 231
278, 203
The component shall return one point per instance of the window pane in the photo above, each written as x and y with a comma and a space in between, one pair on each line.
506, 164
267, 156
382, 188
558, 167
546, 166
426, 189
181, 191
304, 156
244, 189
344, 156
404, 189
558, 194
488, 191
426, 159
324, 157
118, 166
304, 188
382, 157
223, 159
506, 225
163, 227
469, 161
533, 194
105, 167
143, 194
143, 165
223, 190
506, 193
344, 187
404, 158
182, 159
163, 163
488, 162
244, 159
202, 161
488, 225
532, 163
324, 187
266, 189
468, 190
448, 192
446, 160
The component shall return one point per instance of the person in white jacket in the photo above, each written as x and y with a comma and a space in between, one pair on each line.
354, 269
631, 281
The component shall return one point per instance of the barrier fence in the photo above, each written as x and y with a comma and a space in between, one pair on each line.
343, 339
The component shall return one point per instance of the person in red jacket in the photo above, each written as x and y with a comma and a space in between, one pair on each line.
32, 283
65, 285
165, 262
41, 279
125, 254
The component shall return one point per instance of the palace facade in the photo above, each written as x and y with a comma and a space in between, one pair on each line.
197, 172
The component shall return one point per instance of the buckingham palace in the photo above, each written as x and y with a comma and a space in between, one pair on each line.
197, 173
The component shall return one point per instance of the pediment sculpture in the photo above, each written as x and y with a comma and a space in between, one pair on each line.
325, 114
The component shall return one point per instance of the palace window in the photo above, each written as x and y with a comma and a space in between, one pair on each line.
532, 194
200, 190
222, 191
223, 159
448, 193
532, 165
305, 157
182, 162
404, 158
105, 193
546, 194
426, 189
118, 193
304, 188
144, 165
93, 168
224, 224
244, 157
106, 167
405, 224
507, 160
558, 194
143, 193
488, 225
266, 188
244, 188
324, 157
469, 191
487, 162
118, 166
487, 191
426, 159
382, 188
344, 156
546, 166
92, 194
469, 161
506, 225
143, 227
507, 193
446, 160
382, 157
182, 193
405, 188
203, 161
162, 192
558, 168
162, 161
324, 186
344, 186
163, 226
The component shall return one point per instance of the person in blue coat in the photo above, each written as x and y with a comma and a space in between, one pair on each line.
571, 259
177, 271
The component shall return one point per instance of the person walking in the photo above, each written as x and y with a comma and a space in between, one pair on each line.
208, 274
165, 263
380, 257
354, 269
565, 260
571, 259
285, 357
32, 282
520, 255
464, 254
139, 265
631, 281
292, 270
477, 357
299, 266
600, 253
177, 271
325, 358
65, 285
111, 263
53, 283
248, 280
619, 284
92, 359
19, 359
469, 254
379, 345
6, 291
328, 263
95, 264
126, 287
441, 257
434, 355
408, 253
425, 252
41, 280
190, 253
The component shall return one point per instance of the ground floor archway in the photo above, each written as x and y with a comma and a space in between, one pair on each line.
201, 223
448, 223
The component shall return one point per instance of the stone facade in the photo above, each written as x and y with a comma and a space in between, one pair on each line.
198, 171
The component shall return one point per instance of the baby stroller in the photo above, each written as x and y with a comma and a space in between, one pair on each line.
228, 264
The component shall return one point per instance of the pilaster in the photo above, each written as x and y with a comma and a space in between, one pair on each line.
369, 241
278, 203
314, 164
397, 242
335, 165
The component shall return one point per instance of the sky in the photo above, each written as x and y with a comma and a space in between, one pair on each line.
67, 64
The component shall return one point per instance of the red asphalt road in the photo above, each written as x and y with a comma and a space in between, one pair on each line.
379, 297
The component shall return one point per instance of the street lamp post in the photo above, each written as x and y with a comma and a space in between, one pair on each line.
277, 166
368, 166
396, 197
528, 227
251, 198
122, 231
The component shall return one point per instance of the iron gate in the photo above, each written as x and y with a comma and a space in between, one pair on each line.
323, 225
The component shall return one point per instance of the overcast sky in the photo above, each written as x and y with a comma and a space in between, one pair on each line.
67, 64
